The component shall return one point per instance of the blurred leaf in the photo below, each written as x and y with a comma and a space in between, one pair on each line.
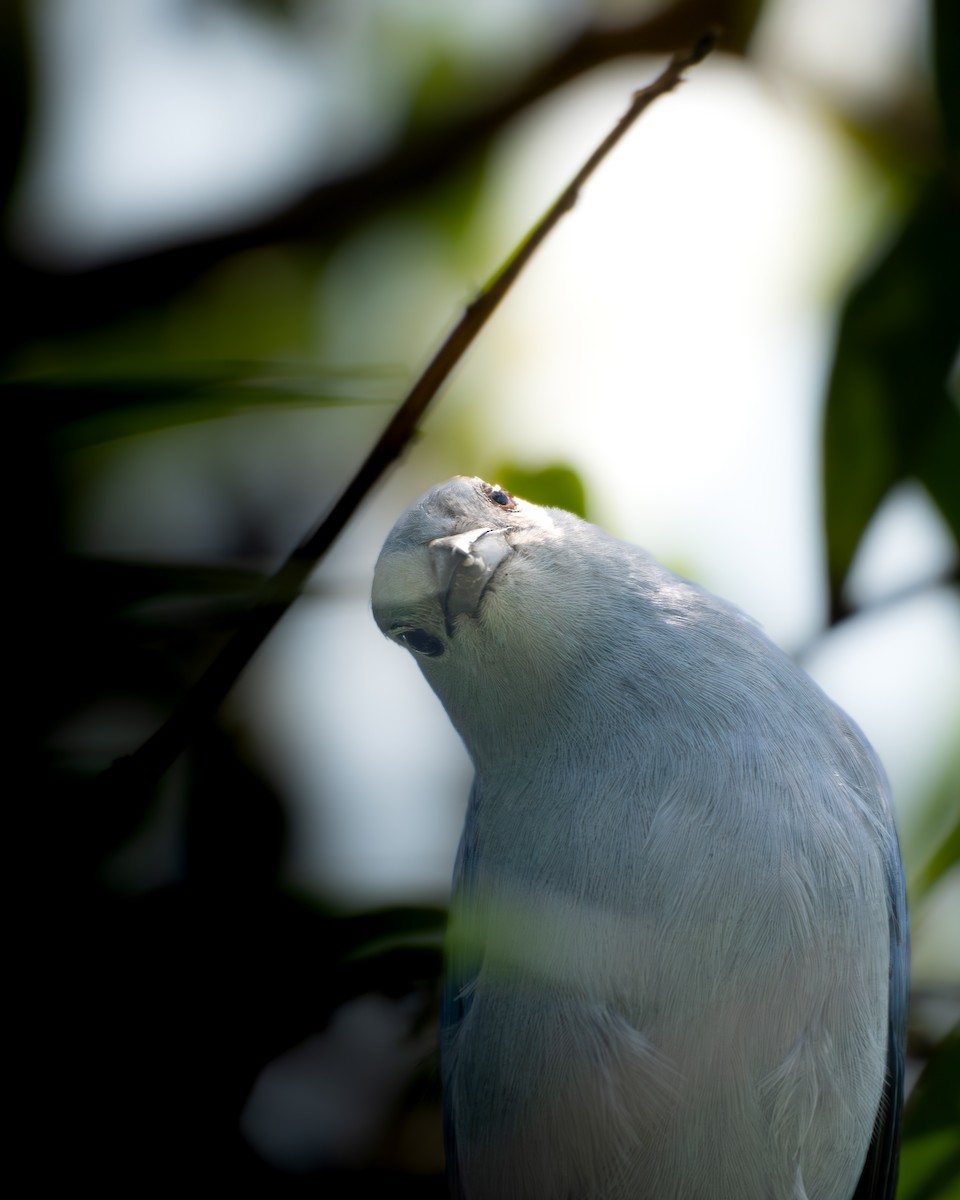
450, 209
932, 840
366, 933
557, 486
391, 951
161, 595
946, 63
946, 855
930, 1151
889, 414
86, 411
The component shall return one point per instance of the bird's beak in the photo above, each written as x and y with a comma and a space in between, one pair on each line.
463, 565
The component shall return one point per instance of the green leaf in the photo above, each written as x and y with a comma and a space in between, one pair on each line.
945, 856
85, 411
557, 486
930, 1151
931, 841
889, 412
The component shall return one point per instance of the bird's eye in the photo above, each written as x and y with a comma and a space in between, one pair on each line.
495, 493
422, 642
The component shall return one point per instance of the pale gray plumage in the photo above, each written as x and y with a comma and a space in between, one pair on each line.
677, 957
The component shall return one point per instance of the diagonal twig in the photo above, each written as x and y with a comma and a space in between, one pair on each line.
148, 763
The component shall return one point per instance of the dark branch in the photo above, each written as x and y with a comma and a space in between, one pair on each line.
51, 303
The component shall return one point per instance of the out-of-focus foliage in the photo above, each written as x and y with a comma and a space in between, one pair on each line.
85, 412
171, 957
558, 486
930, 1157
891, 410
936, 834
890, 415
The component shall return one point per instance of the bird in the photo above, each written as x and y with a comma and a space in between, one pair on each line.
676, 964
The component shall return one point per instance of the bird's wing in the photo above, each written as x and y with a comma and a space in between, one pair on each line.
461, 967
878, 1180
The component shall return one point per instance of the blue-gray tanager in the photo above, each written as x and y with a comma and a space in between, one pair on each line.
677, 959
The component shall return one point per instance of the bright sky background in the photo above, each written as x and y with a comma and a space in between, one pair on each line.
687, 303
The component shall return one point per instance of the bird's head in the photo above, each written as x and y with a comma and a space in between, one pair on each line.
441, 559
489, 595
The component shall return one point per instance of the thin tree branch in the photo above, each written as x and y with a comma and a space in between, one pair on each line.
51, 302
147, 764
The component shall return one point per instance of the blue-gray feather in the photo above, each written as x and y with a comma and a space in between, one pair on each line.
677, 959
878, 1180
460, 970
